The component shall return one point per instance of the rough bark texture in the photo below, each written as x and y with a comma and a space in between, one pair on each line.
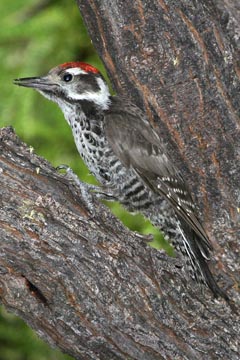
179, 61
88, 285
85, 283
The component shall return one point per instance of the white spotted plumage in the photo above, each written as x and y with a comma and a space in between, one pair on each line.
127, 156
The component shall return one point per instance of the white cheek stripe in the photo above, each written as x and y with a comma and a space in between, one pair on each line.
76, 71
100, 97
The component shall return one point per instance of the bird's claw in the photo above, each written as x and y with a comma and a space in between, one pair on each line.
145, 237
62, 167
86, 189
69, 173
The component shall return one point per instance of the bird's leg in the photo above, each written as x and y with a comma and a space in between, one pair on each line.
88, 190
104, 193
145, 237
84, 187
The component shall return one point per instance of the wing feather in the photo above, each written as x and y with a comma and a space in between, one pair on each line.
137, 145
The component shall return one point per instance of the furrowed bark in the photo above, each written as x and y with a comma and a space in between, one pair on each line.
179, 60
87, 284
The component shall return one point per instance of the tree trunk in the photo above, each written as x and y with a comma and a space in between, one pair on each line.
82, 280
178, 60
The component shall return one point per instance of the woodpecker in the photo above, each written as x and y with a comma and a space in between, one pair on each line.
128, 158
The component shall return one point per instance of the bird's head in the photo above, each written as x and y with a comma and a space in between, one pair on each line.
71, 82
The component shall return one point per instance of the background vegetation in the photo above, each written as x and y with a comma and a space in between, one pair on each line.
35, 36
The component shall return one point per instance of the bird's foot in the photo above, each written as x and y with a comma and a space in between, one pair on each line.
88, 191
145, 237
85, 188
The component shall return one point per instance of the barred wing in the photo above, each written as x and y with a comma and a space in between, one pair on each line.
137, 145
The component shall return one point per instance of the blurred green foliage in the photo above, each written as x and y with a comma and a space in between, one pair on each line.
19, 342
35, 36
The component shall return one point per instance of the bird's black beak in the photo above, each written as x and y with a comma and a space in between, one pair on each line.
39, 83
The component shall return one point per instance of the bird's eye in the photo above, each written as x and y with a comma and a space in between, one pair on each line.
67, 77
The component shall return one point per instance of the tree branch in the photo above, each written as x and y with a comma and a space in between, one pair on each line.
88, 285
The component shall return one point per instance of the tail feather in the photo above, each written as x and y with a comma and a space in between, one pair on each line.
210, 281
191, 247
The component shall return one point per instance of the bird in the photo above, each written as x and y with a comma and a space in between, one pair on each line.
129, 159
